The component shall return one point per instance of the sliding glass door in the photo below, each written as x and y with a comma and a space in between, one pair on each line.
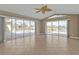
18, 28
57, 27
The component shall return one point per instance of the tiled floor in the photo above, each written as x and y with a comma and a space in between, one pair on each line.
40, 45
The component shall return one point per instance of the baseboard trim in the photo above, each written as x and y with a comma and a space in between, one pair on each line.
74, 37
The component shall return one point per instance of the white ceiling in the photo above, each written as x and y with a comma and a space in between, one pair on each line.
29, 9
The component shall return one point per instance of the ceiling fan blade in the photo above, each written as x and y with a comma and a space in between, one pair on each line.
37, 9
49, 9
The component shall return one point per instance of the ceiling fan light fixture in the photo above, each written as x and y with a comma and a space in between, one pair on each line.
43, 9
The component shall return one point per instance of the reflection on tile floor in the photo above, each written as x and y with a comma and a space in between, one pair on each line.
40, 45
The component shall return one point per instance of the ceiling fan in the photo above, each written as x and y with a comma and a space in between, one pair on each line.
43, 9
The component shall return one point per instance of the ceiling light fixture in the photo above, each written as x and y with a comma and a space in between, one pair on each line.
43, 9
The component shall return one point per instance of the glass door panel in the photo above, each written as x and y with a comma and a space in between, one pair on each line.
55, 27
32, 26
7, 29
48, 28
63, 27
27, 27
19, 28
